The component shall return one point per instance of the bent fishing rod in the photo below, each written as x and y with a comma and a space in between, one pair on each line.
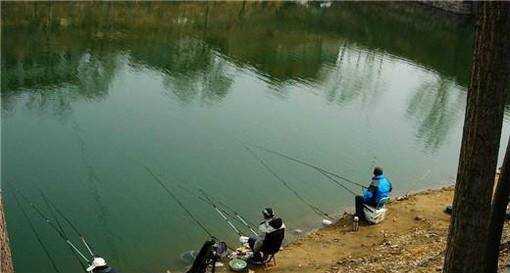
302, 162
222, 213
57, 227
313, 207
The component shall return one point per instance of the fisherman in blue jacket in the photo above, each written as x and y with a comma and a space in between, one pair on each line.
379, 188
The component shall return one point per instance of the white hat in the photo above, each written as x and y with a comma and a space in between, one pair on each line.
243, 239
96, 262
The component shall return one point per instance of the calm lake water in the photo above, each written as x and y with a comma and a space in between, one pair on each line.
92, 90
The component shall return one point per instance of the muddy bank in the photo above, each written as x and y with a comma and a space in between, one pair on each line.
411, 239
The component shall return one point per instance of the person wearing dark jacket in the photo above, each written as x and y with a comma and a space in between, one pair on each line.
99, 265
379, 188
270, 239
205, 258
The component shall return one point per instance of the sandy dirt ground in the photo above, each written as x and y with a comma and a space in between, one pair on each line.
411, 239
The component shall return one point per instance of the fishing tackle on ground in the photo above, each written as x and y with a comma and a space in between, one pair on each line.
238, 265
314, 208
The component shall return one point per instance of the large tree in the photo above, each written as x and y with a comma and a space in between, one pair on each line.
498, 214
469, 234
5, 250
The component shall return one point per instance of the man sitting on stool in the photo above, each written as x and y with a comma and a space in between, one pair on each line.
379, 188
270, 239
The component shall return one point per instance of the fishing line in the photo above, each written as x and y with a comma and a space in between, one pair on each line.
37, 236
223, 214
238, 217
214, 203
174, 197
68, 221
246, 223
314, 208
48, 204
338, 183
56, 228
92, 183
321, 170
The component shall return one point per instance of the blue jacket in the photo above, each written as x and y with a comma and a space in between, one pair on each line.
378, 189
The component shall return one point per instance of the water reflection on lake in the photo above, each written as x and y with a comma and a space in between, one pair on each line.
89, 90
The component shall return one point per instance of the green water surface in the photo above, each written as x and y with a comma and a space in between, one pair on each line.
91, 91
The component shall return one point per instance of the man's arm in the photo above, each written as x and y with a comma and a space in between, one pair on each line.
367, 194
259, 242
263, 230
390, 186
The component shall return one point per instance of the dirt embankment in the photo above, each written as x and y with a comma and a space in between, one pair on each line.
411, 239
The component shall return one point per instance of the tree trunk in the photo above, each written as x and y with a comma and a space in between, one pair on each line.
500, 199
498, 214
5, 250
468, 234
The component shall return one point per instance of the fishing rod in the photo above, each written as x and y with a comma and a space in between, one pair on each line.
338, 183
247, 224
46, 201
37, 236
60, 232
232, 211
314, 208
217, 205
51, 205
214, 204
317, 168
223, 214
59, 225
174, 197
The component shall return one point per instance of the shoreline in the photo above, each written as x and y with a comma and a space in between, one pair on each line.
412, 238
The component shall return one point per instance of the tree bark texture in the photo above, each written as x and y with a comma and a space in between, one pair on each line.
498, 214
502, 192
469, 227
5, 250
